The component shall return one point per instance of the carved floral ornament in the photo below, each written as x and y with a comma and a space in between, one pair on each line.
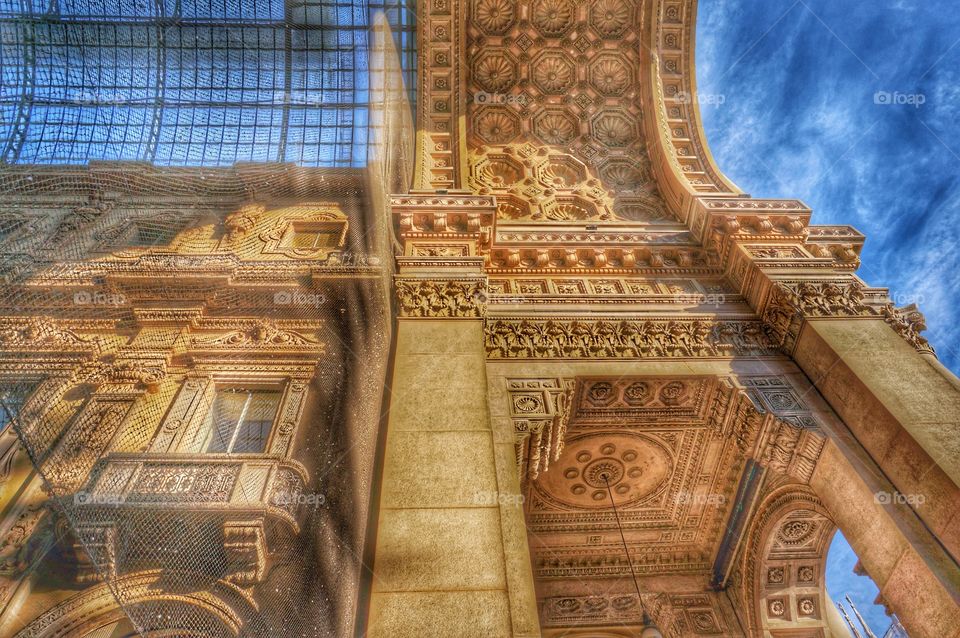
40, 333
261, 334
790, 303
427, 298
587, 339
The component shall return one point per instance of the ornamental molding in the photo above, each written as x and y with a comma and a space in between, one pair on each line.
464, 298
519, 338
34, 334
262, 334
86, 611
790, 303
908, 322
602, 260
540, 410
144, 370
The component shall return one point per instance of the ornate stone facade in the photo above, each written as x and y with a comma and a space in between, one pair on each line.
569, 355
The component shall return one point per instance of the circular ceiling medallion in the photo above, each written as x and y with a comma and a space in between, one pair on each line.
633, 466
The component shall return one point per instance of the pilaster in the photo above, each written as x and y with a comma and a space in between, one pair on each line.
450, 553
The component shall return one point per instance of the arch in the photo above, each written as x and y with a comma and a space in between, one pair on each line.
220, 612
783, 582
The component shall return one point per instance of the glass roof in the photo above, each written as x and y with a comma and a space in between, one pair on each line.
190, 82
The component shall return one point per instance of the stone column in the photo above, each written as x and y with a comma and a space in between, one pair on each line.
873, 370
446, 561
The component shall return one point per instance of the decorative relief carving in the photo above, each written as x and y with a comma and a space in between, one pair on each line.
240, 222
613, 129
138, 368
497, 125
495, 71
553, 73
573, 93
245, 547
262, 333
612, 18
553, 18
184, 483
908, 322
85, 443
494, 16
581, 339
80, 219
441, 299
39, 333
556, 127
635, 467
540, 409
790, 303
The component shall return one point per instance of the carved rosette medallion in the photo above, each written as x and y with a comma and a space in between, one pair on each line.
634, 467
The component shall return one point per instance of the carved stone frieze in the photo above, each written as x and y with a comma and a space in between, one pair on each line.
589, 339
428, 298
260, 334
142, 369
40, 333
602, 260
790, 303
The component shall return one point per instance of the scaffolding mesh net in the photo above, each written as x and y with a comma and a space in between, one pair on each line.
193, 313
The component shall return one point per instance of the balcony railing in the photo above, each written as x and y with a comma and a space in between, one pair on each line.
254, 500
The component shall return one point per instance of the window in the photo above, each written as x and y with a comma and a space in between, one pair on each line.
12, 398
241, 419
317, 236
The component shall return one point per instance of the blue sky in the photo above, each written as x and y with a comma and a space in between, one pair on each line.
800, 119
851, 107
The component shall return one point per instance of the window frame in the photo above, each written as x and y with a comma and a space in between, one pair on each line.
210, 426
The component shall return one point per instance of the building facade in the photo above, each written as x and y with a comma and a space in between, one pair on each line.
554, 375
